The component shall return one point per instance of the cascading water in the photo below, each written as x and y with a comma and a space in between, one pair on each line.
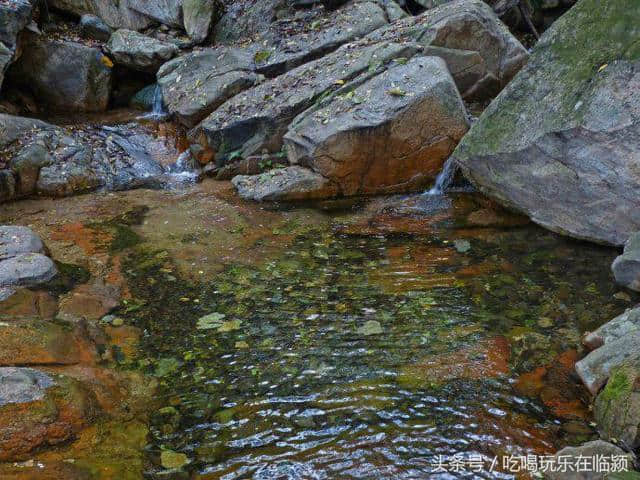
444, 178
157, 106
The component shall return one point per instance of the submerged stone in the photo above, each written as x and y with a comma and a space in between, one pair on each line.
371, 327
170, 459
208, 322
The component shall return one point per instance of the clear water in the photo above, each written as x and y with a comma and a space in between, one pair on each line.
298, 381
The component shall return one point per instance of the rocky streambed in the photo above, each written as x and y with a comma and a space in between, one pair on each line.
197, 335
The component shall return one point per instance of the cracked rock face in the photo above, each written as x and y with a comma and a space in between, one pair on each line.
562, 142
392, 133
257, 119
194, 85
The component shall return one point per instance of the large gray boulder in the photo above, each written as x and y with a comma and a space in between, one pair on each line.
294, 41
617, 407
14, 16
65, 76
93, 27
168, 12
477, 47
195, 84
115, 13
246, 18
626, 268
562, 141
26, 270
257, 119
481, 53
392, 133
139, 52
15, 240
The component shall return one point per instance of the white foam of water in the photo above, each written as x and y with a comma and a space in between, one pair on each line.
157, 106
444, 178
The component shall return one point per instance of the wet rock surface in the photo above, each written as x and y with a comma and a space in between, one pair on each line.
54, 409
573, 169
288, 183
62, 161
22, 259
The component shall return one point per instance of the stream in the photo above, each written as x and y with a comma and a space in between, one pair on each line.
370, 338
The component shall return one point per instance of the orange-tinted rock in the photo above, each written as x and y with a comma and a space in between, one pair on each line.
555, 386
107, 450
90, 240
43, 471
27, 303
488, 217
120, 393
531, 383
90, 301
116, 278
34, 342
417, 268
487, 359
126, 339
63, 409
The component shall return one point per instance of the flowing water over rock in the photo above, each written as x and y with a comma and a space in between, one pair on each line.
348, 340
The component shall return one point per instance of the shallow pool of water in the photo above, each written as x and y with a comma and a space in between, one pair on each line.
368, 346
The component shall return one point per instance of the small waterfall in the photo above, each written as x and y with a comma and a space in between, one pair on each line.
157, 106
444, 178
158, 103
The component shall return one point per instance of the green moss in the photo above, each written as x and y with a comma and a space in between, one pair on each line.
262, 56
544, 95
618, 385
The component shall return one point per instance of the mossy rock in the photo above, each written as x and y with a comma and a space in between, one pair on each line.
555, 142
617, 407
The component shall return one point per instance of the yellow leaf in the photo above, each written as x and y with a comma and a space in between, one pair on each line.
106, 61
602, 67
339, 82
